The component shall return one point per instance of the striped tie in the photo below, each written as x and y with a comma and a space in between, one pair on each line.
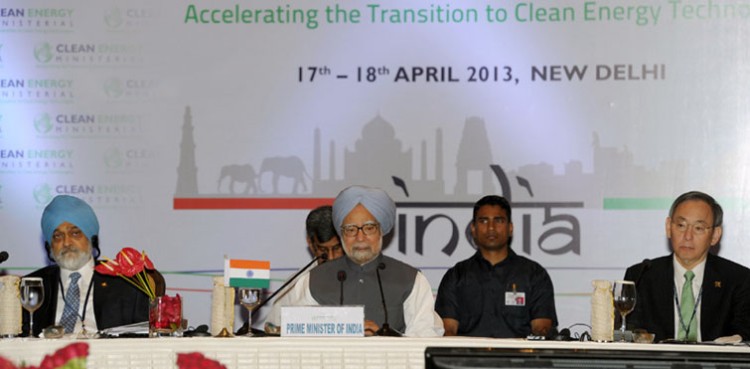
72, 301
687, 307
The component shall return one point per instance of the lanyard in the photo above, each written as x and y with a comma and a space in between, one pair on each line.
85, 301
686, 328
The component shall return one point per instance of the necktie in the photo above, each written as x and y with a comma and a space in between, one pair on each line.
687, 307
72, 301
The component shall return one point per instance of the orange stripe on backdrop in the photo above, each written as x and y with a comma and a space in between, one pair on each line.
249, 264
208, 203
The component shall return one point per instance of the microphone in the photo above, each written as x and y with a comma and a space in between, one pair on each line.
563, 335
341, 276
3, 256
385, 329
245, 328
322, 257
645, 266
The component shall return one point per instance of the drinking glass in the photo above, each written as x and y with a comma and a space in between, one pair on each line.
32, 296
249, 298
624, 297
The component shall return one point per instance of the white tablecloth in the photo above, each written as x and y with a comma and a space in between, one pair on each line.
276, 352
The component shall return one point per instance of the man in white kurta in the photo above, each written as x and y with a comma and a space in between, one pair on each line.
362, 216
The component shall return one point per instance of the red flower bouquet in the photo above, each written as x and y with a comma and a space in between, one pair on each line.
72, 356
165, 314
196, 360
131, 265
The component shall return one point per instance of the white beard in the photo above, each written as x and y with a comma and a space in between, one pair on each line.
366, 255
71, 260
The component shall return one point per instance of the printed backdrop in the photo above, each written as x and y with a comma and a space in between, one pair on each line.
204, 129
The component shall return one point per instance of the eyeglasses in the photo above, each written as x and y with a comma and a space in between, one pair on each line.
368, 229
698, 228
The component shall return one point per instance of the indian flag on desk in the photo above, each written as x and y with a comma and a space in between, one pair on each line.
247, 273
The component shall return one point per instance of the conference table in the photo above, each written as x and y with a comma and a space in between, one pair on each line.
286, 352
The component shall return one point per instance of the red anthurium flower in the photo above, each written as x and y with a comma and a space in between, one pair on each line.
6, 364
147, 262
70, 356
72, 351
131, 261
109, 267
82, 349
197, 360
130, 264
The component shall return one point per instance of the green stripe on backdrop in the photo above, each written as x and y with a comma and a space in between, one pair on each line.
615, 203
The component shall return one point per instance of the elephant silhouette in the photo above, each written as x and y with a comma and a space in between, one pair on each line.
239, 173
286, 166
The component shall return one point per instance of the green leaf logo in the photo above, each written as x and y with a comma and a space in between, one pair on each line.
113, 158
43, 194
113, 18
43, 124
43, 52
114, 88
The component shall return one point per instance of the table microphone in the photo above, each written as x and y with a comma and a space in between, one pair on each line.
341, 276
645, 266
3, 256
385, 329
322, 257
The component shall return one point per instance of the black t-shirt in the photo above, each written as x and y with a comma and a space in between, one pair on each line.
475, 293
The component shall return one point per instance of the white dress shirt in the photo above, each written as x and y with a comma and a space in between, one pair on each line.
87, 273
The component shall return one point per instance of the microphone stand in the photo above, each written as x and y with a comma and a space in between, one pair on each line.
645, 266
244, 329
341, 276
322, 257
386, 329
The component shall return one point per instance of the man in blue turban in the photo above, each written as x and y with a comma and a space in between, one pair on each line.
362, 216
74, 295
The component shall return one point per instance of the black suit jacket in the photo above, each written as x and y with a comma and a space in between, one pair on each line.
116, 302
725, 305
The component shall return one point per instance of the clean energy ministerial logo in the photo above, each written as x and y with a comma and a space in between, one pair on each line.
130, 159
36, 90
42, 194
36, 160
96, 194
129, 88
88, 125
128, 19
87, 54
43, 124
37, 20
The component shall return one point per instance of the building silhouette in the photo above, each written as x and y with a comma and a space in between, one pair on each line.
187, 171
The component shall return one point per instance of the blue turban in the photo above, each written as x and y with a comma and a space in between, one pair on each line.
64, 208
375, 200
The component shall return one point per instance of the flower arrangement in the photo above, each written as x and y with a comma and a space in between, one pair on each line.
165, 314
196, 360
131, 265
72, 356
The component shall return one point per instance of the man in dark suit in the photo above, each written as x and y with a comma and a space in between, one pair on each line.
692, 295
73, 292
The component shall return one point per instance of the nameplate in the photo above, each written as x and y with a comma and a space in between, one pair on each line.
323, 321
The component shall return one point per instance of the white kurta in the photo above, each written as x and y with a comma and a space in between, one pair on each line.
419, 308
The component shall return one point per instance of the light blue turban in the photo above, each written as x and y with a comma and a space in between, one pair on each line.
375, 200
64, 208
